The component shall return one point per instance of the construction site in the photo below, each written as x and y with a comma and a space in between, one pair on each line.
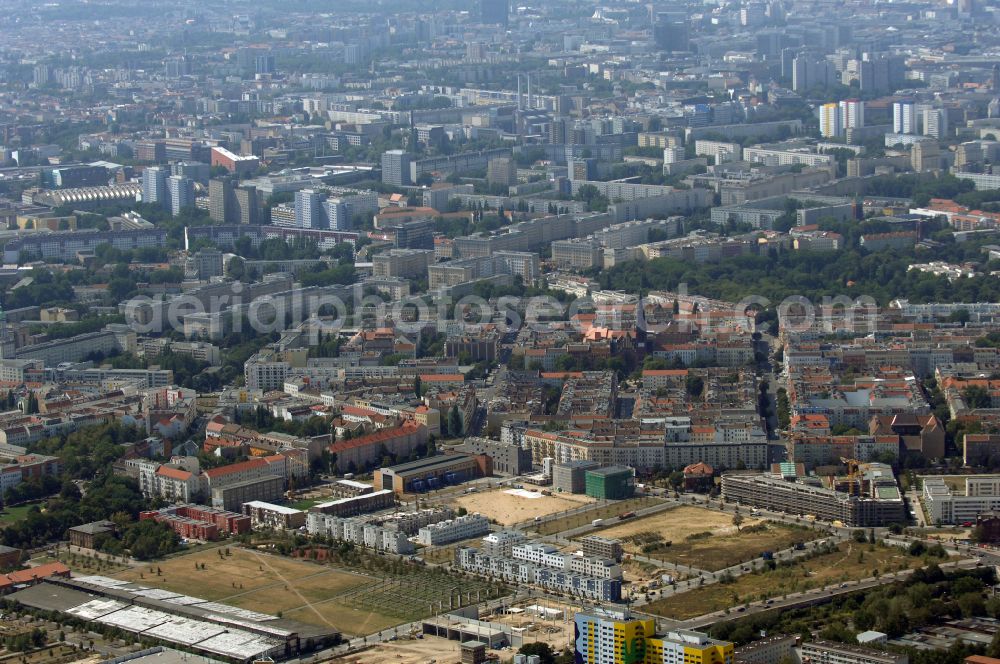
503, 631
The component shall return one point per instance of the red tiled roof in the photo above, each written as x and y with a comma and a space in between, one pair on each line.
33, 574
700, 468
173, 473
235, 467
379, 436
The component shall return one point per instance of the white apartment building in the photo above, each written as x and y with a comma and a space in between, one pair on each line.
790, 157
13, 371
549, 556
357, 531
177, 482
453, 530
943, 504
539, 554
524, 572
265, 372
502, 543
721, 151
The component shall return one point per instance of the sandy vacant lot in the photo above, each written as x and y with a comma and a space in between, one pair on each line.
557, 633
408, 651
509, 509
676, 524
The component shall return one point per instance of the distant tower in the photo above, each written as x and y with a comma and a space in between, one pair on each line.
154, 185
995, 78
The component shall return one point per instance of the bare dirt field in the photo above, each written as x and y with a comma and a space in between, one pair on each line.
674, 525
407, 651
557, 632
606, 511
508, 509
704, 539
949, 534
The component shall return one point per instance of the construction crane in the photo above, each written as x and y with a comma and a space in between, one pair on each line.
853, 474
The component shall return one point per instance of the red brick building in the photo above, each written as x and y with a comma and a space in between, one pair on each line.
199, 521
234, 163
698, 477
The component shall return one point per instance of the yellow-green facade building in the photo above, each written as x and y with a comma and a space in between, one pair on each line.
608, 637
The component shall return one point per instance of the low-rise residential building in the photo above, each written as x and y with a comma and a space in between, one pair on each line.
454, 530
980, 448
371, 501
549, 556
370, 535
551, 578
277, 517
602, 547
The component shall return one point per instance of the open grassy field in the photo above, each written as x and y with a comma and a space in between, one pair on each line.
349, 621
438, 555
96, 563
674, 524
508, 509
263, 582
213, 576
10, 515
851, 561
703, 538
305, 503
609, 510
312, 593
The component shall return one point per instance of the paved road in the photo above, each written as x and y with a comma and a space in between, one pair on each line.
587, 527
703, 577
913, 496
